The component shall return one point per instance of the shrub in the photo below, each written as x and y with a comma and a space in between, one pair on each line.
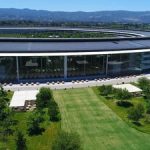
124, 104
67, 141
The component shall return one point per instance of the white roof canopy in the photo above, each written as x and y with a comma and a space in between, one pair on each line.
129, 87
19, 97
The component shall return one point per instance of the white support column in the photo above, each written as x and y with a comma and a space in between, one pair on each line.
107, 57
17, 67
84, 65
65, 67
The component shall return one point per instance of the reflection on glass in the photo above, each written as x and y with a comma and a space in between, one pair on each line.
124, 64
41, 67
86, 65
7, 69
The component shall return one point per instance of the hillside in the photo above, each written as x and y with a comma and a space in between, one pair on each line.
57, 16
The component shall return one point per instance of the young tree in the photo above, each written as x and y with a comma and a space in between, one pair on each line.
33, 124
67, 141
3, 93
140, 108
122, 94
6, 121
146, 92
53, 111
3, 109
143, 83
43, 98
105, 90
136, 112
20, 141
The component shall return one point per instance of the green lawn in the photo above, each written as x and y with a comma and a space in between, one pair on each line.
123, 112
98, 126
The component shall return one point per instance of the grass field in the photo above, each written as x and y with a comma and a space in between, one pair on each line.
98, 126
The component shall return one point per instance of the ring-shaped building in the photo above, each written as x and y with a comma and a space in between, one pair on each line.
32, 59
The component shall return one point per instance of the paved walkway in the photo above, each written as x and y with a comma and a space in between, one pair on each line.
68, 85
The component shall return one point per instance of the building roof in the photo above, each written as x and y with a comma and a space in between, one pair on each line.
129, 87
72, 45
19, 97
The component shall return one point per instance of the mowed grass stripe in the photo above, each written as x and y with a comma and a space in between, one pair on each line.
99, 127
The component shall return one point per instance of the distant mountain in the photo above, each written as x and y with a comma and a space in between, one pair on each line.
100, 16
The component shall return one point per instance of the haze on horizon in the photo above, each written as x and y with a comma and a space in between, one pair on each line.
78, 5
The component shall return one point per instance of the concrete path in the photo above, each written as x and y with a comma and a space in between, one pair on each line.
68, 85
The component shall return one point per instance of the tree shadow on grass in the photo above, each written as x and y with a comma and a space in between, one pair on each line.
125, 104
14, 122
109, 97
37, 132
137, 123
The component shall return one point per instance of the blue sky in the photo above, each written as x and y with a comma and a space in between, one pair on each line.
78, 5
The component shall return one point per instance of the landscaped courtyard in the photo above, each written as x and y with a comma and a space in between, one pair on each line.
98, 120
84, 111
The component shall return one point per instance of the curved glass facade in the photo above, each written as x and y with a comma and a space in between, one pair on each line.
86, 65
124, 64
63, 67
41, 67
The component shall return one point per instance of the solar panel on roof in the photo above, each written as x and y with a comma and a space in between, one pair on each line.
73, 46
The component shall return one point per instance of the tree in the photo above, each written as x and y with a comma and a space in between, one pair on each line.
43, 98
143, 83
6, 121
146, 92
122, 94
53, 111
140, 108
147, 118
20, 141
3, 93
67, 141
3, 109
136, 112
33, 124
105, 90
4, 102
